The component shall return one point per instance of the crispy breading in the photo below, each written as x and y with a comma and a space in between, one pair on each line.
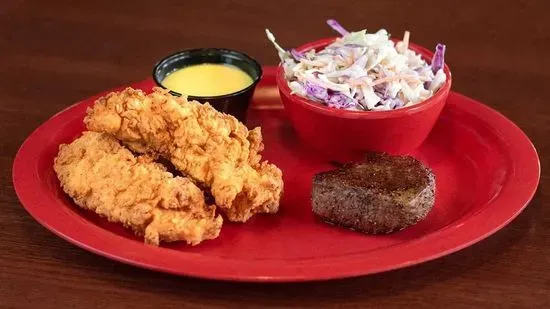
211, 147
103, 176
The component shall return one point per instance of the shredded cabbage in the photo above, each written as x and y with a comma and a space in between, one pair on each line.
438, 59
337, 27
363, 71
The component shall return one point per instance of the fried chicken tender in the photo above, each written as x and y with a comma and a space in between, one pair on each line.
105, 177
213, 148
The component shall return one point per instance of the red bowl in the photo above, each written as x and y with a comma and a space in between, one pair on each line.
346, 135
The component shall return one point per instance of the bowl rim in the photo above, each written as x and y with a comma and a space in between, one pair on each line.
218, 50
440, 95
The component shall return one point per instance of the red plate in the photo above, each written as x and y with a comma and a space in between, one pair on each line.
487, 171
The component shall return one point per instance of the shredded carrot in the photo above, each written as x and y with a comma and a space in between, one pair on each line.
406, 40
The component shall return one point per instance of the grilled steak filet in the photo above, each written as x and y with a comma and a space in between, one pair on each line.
381, 194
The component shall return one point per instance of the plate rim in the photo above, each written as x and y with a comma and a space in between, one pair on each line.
102, 242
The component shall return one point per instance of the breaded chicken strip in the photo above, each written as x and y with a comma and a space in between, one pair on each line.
103, 176
211, 147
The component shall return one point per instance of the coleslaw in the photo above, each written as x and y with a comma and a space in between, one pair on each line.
363, 71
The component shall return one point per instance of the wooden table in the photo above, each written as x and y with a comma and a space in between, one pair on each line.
53, 53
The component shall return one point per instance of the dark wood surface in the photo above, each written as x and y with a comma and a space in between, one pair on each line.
53, 53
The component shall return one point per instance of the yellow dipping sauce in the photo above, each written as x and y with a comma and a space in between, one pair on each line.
208, 79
